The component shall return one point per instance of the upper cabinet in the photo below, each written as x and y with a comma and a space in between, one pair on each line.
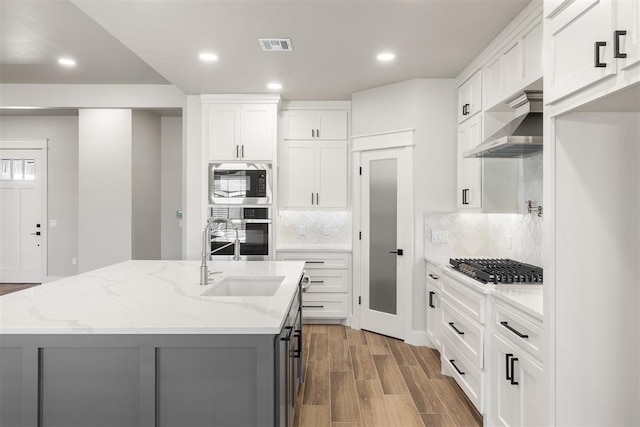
238, 129
315, 124
516, 67
470, 97
593, 49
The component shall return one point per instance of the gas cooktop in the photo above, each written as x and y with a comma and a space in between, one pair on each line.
498, 271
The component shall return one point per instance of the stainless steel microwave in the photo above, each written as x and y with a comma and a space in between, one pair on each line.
239, 183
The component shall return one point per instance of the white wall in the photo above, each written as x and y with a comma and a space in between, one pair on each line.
171, 187
62, 132
145, 185
104, 192
428, 106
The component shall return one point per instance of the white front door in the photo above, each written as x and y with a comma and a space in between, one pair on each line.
385, 211
21, 216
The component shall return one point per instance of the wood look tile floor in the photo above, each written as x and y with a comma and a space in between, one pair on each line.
7, 288
358, 378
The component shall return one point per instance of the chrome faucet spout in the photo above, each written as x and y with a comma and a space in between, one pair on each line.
206, 246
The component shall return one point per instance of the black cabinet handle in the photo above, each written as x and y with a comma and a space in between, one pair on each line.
317, 281
314, 262
456, 329
518, 333
596, 55
464, 108
465, 193
313, 306
616, 44
466, 111
400, 252
513, 375
434, 277
237, 151
317, 198
453, 363
242, 150
506, 365
431, 294
317, 133
313, 133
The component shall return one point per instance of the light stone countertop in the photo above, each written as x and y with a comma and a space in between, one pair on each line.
527, 298
150, 297
313, 248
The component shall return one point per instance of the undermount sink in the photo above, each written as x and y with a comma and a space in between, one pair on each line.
245, 286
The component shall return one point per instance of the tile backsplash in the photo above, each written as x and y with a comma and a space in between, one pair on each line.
516, 236
319, 228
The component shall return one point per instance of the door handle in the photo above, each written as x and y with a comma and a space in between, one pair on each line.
616, 44
596, 54
400, 252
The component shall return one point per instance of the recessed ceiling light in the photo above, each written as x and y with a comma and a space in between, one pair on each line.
67, 62
387, 56
205, 56
274, 86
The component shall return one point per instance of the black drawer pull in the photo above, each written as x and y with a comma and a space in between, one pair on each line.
433, 276
317, 281
616, 44
513, 374
596, 55
518, 333
313, 306
506, 365
455, 329
453, 363
314, 262
431, 294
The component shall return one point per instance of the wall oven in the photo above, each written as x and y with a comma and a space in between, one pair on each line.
254, 232
239, 183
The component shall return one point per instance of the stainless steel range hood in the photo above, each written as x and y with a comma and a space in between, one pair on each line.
520, 137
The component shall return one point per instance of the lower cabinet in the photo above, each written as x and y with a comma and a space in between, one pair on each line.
516, 384
434, 306
327, 294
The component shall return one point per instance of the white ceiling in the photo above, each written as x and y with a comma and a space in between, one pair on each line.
334, 42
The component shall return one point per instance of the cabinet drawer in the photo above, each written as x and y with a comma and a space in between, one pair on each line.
468, 301
518, 329
467, 335
468, 377
329, 306
318, 260
327, 280
434, 274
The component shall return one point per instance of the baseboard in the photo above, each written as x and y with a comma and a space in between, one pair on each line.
417, 338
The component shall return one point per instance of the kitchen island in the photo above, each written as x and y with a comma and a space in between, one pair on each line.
137, 343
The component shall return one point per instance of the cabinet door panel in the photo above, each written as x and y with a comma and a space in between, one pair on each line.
506, 396
628, 19
573, 35
299, 124
332, 125
257, 136
532, 62
469, 170
222, 130
332, 175
299, 176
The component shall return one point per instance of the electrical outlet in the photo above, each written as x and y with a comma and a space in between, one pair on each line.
439, 236
53, 223
74, 261
302, 230
327, 230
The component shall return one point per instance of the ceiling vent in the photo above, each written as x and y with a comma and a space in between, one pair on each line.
276, 45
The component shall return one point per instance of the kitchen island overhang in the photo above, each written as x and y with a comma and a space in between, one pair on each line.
137, 368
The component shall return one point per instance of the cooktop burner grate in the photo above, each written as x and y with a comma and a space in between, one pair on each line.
498, 271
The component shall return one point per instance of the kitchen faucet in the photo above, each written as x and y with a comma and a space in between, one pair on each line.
206, 247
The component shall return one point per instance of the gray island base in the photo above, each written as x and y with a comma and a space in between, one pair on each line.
85, 377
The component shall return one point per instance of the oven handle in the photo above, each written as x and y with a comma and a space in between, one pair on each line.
251, 221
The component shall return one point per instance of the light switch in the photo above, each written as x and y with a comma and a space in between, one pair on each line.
53, 223
439, 236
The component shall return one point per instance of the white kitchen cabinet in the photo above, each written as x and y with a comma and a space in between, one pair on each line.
628, 33
517, 387
237, 132
469, 189
315, 124
517, 67
470, 97
314, 175
327, 295
580, 47
434, 306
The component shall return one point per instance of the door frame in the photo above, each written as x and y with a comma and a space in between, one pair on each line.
41, 144
402, 139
